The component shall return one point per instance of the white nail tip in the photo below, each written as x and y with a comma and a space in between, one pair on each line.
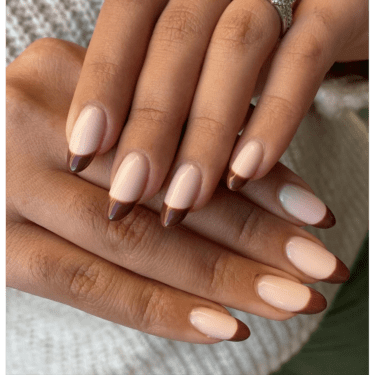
248, 159
310, 258
282, 293
88, 131
184, 187
130, 179
302, 204
213, 323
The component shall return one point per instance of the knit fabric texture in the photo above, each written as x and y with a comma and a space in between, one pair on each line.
330, 151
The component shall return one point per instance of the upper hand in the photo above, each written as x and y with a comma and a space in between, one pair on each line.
153, 64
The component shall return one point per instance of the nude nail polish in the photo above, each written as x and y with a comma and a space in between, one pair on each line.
245, 165
316, 261
86, 137
290, 296
218, 325
181, 193
306, 207
128, 185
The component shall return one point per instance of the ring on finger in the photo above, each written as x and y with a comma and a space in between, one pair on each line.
284, 8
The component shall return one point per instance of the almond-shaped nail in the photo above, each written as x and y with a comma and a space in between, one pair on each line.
245, 165
316, 261
218, 325
290, 296
86, 137
128, 185
181, 194
306, 207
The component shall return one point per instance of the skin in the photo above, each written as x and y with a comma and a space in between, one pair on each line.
155, 64
132, 272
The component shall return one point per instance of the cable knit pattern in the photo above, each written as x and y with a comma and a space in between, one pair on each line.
330, 152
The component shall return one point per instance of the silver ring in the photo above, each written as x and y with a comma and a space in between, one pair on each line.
284, 8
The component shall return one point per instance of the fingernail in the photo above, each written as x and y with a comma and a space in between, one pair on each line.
128, 185
86, 137
306, 207
316, 261
180, 195
218, 325
245, 165
290, 296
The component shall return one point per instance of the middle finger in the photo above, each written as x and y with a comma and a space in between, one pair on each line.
244, 36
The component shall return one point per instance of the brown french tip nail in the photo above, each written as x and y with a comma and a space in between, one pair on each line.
118, 210
328, 221
218, 325
172, 216
242, 333
234, 181
340, 274
77, 163
317, 303
289, 295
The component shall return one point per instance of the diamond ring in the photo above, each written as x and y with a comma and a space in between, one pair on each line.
284, 8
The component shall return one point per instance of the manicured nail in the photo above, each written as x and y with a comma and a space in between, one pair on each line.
86, 137
218, 325
290, 296
128, 185
316, 261
306, 207
181, 194
245, 165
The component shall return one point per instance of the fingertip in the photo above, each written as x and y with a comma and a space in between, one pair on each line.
77, 163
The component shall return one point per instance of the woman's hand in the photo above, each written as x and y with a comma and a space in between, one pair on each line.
170, 283
201, 60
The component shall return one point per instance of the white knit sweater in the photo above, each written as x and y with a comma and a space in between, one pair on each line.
329, 152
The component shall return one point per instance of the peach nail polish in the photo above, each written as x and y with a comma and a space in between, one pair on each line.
315, 261
306, 207
289, 296
245, 165
181, 193
86, 136
128, 185
218, 325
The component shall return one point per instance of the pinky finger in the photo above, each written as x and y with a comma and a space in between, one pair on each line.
59, 270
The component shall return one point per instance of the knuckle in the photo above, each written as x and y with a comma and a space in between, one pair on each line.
123, 238
277, 108
324, 17
220, 275
86, 282
50, 50
251, 230
88, 209
128, 236
180, 24
151, 308
241, 29
101, 69
207, 127
150, 115
306, 50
